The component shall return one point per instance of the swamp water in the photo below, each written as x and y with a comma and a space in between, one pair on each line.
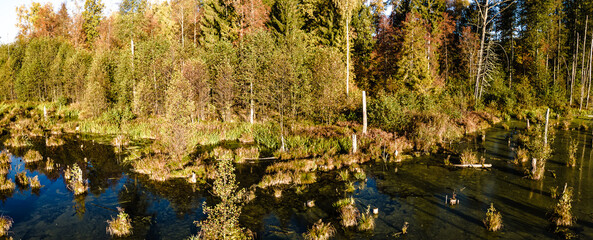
412, 192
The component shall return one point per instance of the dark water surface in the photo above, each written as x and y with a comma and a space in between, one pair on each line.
412, 192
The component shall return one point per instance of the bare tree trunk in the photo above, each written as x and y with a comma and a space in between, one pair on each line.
364, 112
574, 70
481, 51
347, 58
251, 114
546, 128
583, 64
589, 73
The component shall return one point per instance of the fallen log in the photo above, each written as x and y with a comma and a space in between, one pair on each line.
472, 165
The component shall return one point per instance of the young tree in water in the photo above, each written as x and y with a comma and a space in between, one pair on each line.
223, 219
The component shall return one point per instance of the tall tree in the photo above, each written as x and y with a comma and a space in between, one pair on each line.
92, 16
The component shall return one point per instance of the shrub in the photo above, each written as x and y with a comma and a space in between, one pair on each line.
562, 215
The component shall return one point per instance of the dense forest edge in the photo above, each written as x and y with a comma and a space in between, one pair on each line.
241, 80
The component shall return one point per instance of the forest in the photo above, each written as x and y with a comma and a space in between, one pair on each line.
302, 60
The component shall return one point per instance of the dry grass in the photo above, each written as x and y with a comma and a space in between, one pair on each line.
34, 183
5, 158
469, 157
242, 153
18, 141
493, 220
49, 165
348, 214
54, 141
320, 231
522, 155
32, 156
6, 183
22, 179
5, 225
120, 226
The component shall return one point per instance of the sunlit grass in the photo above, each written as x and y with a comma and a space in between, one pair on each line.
120, 226
320, 231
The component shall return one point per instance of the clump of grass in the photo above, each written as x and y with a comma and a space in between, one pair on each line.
34, 183
222, 153
360, 175
22, 179
348, 212
75, 180
54, 141
350, 187
277, 192
320, 231
554, 192
5, 158
49, 165
242, 153
521, 155
5, 225
18, 141
343, 175
154, 166
120, 226
120, 141
275, 179
493, 220
572, 152
5, 183
306, 178
366, 221
469, 157
32, 156
562, 215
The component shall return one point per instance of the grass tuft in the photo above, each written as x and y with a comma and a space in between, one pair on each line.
5, 225
320, 231
493, 220
32, 156
120, 226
